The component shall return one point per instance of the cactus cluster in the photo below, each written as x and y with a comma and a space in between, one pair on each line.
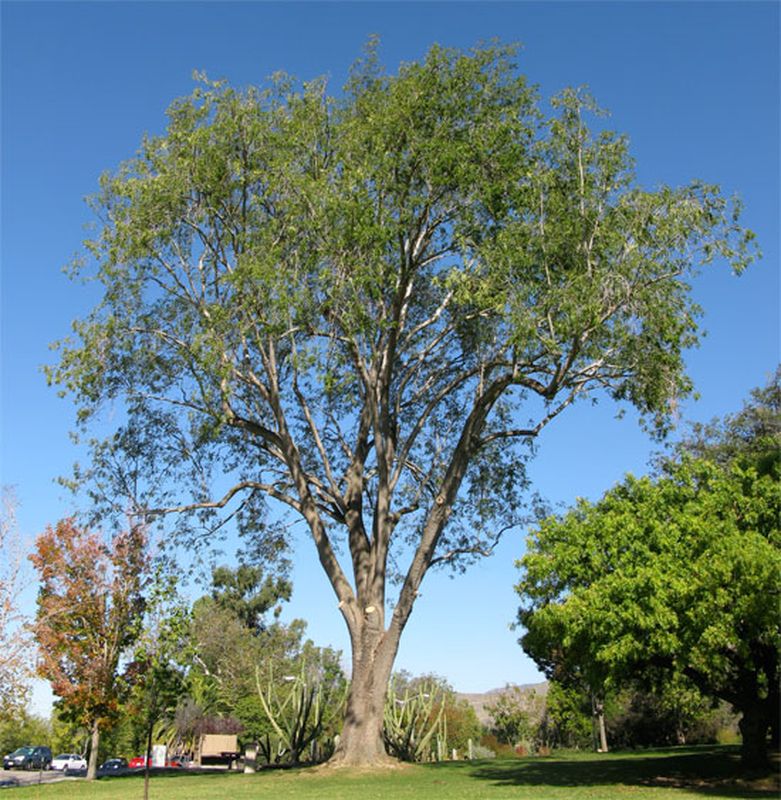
300, 709
412, 720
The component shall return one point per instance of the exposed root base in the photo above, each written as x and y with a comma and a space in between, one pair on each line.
378, 765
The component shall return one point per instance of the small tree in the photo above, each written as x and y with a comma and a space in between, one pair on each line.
90, 610
512, 716
460, 720
566, 721
15, 645
159, 660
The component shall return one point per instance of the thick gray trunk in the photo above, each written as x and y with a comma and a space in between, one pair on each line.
361, 741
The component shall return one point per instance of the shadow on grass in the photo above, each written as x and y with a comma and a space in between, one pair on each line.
714, 771
163, 772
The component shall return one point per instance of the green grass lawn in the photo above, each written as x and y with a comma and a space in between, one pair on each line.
676, 773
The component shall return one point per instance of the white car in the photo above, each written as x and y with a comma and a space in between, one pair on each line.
77, 763
67, 761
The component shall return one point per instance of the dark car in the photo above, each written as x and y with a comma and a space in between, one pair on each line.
28, 758
114, 766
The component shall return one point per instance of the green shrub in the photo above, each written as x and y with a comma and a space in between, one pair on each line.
480, 751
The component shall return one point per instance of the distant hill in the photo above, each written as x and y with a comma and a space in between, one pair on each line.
479, 701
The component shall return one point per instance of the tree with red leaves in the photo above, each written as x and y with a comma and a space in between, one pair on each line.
90, 609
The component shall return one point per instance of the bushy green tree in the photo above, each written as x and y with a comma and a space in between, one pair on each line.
461, 724
567, 719
249, 594
233, 630
513, 716
667, 577
363, 308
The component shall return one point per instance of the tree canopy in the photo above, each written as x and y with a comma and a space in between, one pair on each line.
671, 576
249, 595
363, 308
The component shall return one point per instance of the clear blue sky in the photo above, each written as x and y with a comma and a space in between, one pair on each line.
694, 85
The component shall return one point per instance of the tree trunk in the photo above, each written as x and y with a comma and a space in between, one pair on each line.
598, 707
92, 765
362, 741
753, 726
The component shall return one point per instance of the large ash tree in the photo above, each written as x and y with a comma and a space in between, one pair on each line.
366, 307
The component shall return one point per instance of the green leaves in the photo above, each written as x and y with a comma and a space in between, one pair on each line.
672, 573
434, 220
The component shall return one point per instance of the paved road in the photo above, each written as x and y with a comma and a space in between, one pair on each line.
18, 777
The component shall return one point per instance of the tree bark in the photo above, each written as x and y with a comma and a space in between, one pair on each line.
92, 765
362, 741
754, 726
598, 706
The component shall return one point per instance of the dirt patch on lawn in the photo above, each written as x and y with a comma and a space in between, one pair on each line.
388, 765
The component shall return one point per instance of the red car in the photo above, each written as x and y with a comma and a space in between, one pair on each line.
140, 761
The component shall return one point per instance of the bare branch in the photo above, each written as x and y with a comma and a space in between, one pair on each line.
243, 486
485, 550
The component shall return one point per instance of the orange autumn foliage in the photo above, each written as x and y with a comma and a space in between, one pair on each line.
90, 607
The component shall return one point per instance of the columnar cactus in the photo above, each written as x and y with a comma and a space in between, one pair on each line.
412, 720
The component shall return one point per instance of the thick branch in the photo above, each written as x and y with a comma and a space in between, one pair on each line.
440, 511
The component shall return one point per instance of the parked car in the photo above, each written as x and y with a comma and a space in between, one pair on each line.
28, 758
113, 766
139, 762
64, 761
77, 764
